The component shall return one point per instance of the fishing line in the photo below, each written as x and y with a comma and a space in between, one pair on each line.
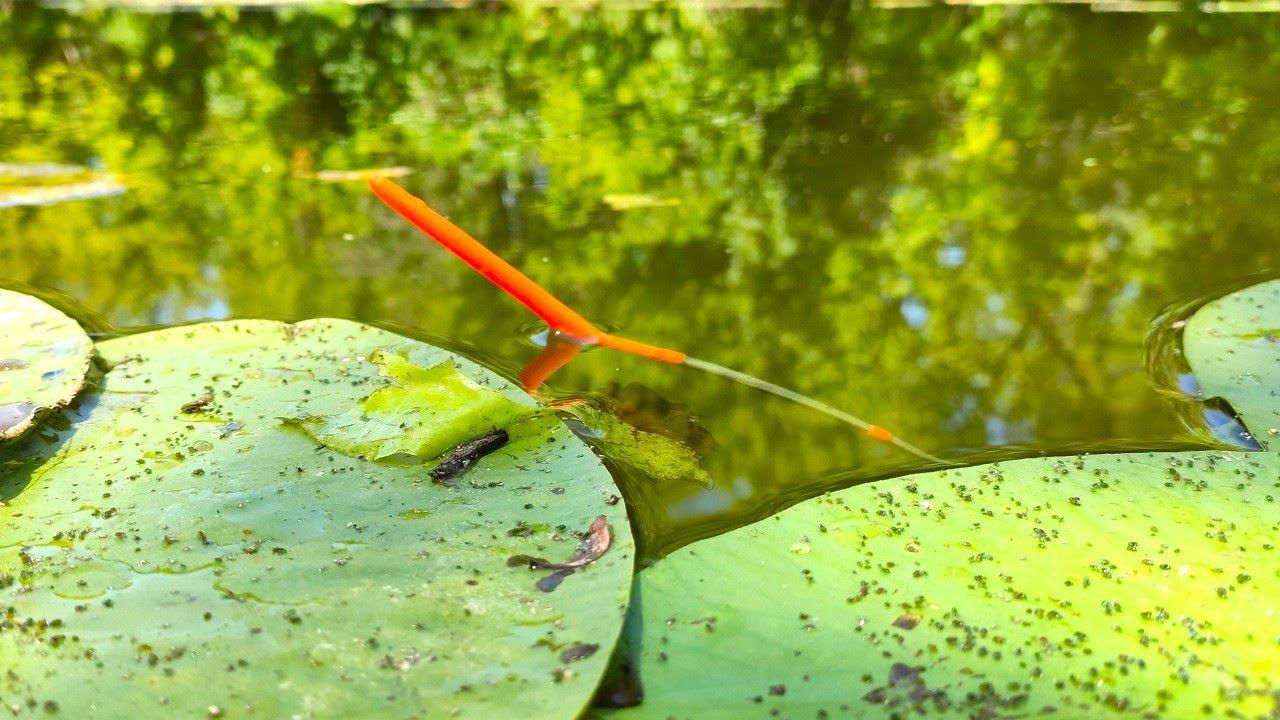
874, 432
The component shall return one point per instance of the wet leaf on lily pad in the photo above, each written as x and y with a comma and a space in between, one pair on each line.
1233, 346
160, 558
44, 358
1139, 584
420, 414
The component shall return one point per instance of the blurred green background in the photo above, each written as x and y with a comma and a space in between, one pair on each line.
958, 223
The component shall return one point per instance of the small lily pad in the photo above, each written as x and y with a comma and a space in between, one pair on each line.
181, 551
1233, 346
44, 359
1140, 584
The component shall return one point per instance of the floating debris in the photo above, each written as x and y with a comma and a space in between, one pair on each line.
594, 544
906, 688
636, 201
359, 175
907, 621
96, 185
466, 455
200, 402
40, 170
578, 652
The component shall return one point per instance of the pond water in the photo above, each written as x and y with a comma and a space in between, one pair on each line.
958, 223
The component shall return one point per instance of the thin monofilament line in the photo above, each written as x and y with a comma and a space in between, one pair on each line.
793, 396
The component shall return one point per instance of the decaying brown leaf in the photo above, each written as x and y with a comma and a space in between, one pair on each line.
593, 545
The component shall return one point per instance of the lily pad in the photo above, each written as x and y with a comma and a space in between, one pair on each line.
1233, 346
181, 550
1137, 584
44, 359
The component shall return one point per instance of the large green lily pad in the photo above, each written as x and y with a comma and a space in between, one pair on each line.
1141, 585
1233, 346
183, 549
44, 358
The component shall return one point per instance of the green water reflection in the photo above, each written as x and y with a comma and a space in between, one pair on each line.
957, 223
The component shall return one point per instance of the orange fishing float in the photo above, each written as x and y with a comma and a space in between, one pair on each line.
564, 320
501, 273
554, 356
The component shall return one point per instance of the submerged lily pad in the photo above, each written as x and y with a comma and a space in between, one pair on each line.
657, 457
182, 551
1140, 584
44, 358
1233, 346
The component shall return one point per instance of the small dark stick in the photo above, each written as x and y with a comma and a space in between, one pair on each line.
466, 454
